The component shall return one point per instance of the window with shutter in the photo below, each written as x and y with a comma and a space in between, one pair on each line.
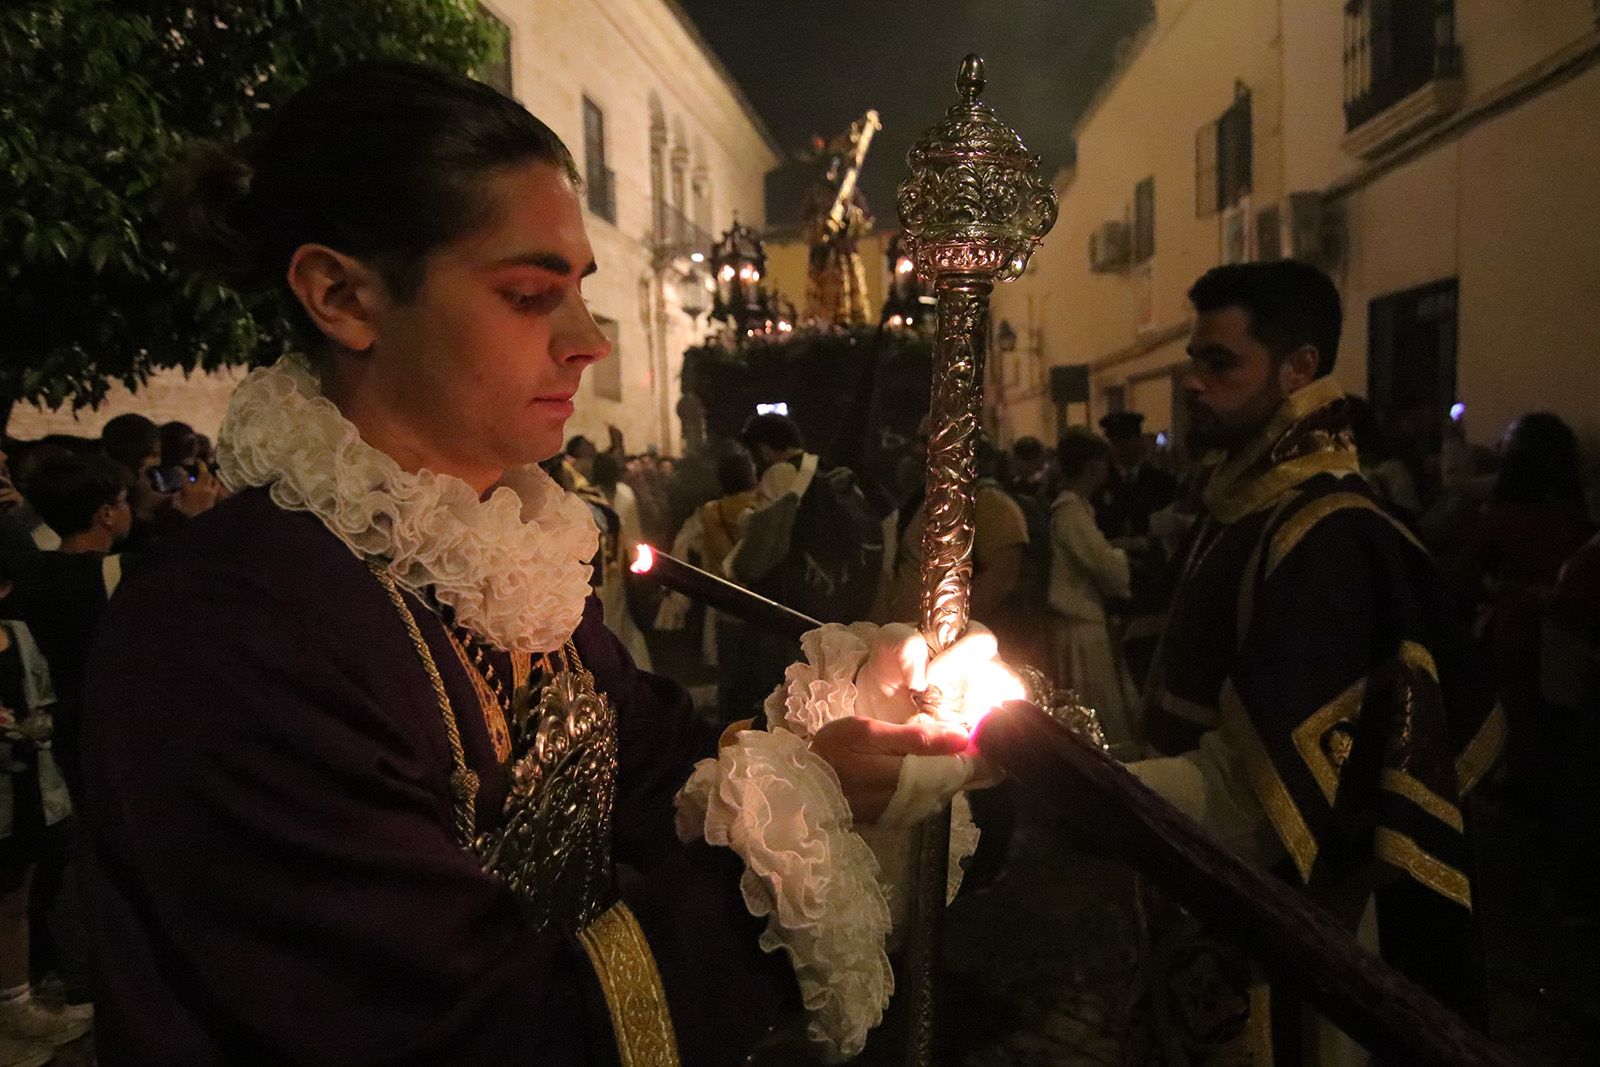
597, 178
1234, 150
1205, 171
1144, 220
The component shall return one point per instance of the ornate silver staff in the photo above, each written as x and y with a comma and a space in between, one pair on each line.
974, 209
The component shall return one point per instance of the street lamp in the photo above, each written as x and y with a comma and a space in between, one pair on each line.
738, 264
694, 289
906, 304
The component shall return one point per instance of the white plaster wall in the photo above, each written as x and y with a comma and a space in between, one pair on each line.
620, 53
198, 399
1510, 207
1530, 277
1144, 124
1500, 39
1401, 232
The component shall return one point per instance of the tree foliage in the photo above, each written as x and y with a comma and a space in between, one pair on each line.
96, 96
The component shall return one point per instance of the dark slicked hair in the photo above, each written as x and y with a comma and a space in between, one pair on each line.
129, 438
736, 471
383, 160
1028, 448
778, 432
1290, 305
1078, 448
68, 490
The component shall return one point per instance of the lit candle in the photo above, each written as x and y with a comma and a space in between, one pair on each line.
726, 597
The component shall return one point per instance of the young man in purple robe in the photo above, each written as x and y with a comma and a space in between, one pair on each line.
366, 778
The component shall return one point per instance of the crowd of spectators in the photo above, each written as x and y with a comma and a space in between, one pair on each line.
75, 516
1073, 546
1076, 549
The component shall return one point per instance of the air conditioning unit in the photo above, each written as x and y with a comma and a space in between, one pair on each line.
1296, 227
1110, 247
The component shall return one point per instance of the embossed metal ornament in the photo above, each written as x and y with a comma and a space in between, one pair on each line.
974, 209
553, 845
975, 203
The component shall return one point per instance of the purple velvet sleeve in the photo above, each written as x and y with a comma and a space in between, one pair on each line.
723, 991
271, 873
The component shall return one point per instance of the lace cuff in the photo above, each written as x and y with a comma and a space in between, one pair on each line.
822, 686
779, 806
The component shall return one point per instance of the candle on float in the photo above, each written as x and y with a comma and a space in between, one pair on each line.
725, 596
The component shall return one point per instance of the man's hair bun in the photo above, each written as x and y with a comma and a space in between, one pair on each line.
200, 208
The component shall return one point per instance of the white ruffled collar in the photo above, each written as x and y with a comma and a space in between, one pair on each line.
513, 568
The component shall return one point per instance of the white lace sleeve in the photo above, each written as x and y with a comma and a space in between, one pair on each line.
779, 806
825, 886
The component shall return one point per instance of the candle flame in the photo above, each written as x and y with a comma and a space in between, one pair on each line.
644, 559
988, 686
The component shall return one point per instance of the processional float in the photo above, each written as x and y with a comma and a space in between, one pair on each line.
974, 209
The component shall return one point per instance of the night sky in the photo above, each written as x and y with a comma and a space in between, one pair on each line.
813, 66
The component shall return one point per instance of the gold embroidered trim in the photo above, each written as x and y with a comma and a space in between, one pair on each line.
1229, 500
1408, 786
1396, 848
1274, 795
1262, 492
1309, 734
1260, 1025
494, 717
463, 780
628, 977
1481, 752
522, 669
1245, 611
1303, 521
1418, 657
1188, 710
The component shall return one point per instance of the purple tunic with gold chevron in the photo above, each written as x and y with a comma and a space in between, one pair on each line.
1312, 630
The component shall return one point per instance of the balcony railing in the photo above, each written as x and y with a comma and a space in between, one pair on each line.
601, 190
1392, 48
678, 235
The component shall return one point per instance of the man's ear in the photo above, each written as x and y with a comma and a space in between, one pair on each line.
1298, 369
339, 293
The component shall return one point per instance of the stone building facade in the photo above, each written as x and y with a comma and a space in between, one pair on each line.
670, 149
1435, 156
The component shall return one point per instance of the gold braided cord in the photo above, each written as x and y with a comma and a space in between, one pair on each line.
463, 781
494, 717
628, 977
